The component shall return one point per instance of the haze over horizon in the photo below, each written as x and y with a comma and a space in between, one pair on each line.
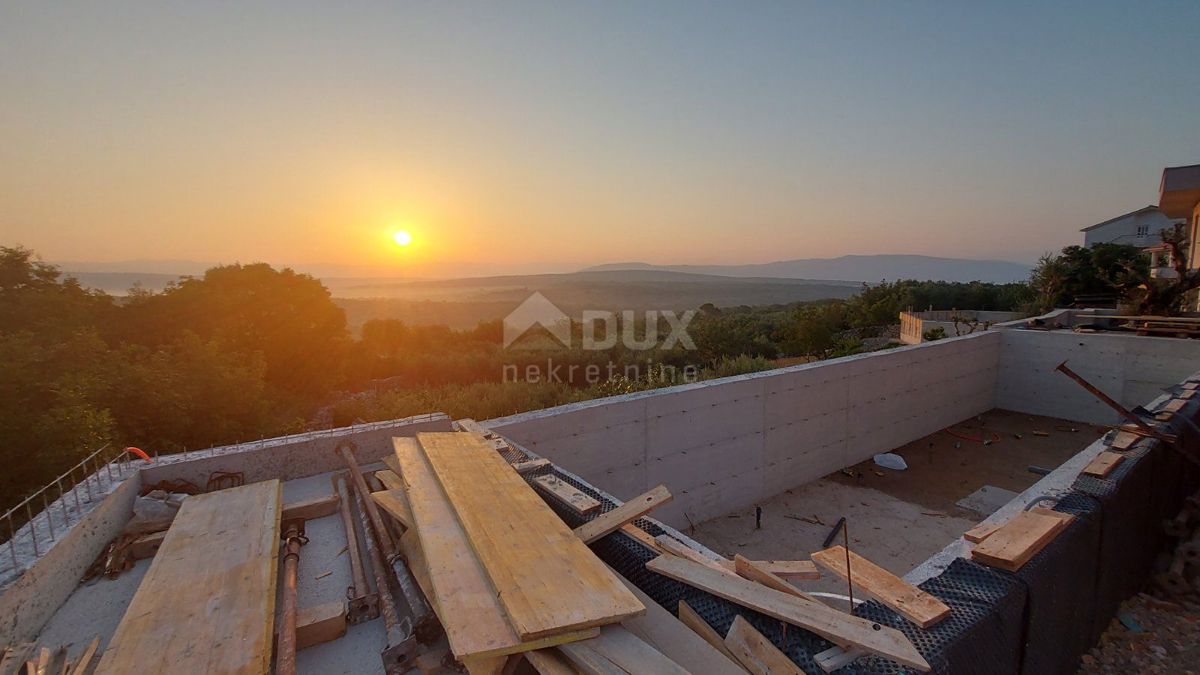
556, 137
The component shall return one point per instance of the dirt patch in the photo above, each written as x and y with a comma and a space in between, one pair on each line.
995, 448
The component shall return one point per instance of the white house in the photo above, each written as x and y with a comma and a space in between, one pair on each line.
1137, 228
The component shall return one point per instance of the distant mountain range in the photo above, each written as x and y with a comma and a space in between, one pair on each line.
868, 268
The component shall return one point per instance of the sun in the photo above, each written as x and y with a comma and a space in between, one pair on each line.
402, 238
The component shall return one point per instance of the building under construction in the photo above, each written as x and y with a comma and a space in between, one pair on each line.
977, 504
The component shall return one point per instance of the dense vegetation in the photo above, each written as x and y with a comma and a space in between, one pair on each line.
248, 351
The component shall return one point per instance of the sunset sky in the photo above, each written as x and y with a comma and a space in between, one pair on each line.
548, 136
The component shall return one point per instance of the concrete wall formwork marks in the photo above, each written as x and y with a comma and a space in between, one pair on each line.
728, 443
1131, 369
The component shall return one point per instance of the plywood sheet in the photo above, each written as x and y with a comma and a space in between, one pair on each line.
547, 579
207, 603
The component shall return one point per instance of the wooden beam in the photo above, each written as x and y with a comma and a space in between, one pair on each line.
320, 623
548, 581
907, 600
213, 582
311, 509
396, 505
530, 465
1103, 463
748, 570
674, 546
843, 629
85, 659
790, 570
677, 641
635, 508
689, 618
756, 653
1011, 546
566, 494
390, 479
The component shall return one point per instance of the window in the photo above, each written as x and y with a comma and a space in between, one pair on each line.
1143, 230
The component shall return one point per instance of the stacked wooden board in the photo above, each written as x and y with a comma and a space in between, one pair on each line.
504, 574
1014, 543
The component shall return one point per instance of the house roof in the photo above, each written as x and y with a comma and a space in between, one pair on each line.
1150, 207
1180, 190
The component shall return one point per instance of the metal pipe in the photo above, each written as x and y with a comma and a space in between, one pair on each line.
401, 643
285, 652
363, 605
427, 628
1124, 412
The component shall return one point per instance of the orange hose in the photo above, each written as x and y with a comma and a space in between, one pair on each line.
137, 451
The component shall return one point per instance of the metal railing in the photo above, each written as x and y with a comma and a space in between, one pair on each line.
77, 490
65, 500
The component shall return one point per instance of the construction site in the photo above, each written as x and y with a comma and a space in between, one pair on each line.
975, 504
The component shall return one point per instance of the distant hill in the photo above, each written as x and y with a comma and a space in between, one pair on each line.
868, 268
462, 303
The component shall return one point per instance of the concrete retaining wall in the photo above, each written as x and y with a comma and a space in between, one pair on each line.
29, 602
726, 444
1131, 369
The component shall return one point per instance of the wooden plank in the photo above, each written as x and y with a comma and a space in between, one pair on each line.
396, 505
1125, 440
547, 579
390, 479
567, 495
980, 532
689, 618
748, 570
147, 545
207, 603
641, 536
443, 564
630, 511
756, 653
790, 570
320, 623
677, 641
837, 657
632, 654
550, 662
311, 509
471, 426
85, 659
907, 600
530, 466
1018, 540
674, 546
1103, 463
829, 623
1187, 395
589, 661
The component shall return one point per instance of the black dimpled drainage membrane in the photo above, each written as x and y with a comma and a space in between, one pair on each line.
1035, 621
981, 636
